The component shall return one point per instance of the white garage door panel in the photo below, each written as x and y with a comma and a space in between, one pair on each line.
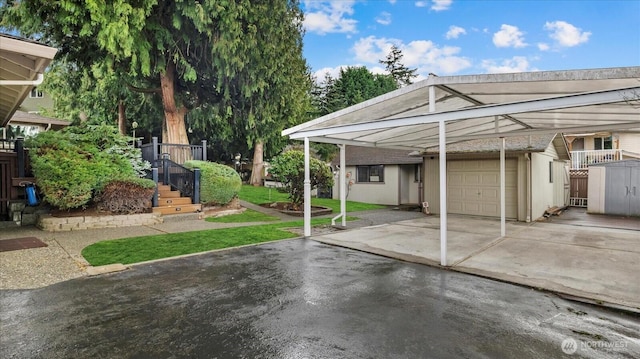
474, 187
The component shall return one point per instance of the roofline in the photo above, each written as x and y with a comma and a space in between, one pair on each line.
26, 47
559, 102
434, 80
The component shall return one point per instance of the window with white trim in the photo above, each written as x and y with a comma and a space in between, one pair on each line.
603, 143
35, 93
371, 174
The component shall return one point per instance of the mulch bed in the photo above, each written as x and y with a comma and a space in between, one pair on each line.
16, 244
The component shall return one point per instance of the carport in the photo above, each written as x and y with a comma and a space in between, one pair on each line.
443, 110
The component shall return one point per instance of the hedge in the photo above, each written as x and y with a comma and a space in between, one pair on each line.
219, 184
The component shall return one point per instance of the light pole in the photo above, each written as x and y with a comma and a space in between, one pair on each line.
134, 125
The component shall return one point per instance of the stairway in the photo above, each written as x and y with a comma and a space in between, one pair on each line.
170, 202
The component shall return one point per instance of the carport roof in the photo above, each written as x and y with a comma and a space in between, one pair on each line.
485, 106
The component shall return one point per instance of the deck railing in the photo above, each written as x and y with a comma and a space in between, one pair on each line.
580, 160
180, 154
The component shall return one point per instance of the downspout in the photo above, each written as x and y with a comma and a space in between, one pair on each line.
528, 177
38, 81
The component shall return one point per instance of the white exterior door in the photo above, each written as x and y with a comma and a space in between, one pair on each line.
473, 187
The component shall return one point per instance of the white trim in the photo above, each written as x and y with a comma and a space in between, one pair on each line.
575, 100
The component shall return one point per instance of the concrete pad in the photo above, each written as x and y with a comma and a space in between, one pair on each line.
592, 263
415, 240
109, 268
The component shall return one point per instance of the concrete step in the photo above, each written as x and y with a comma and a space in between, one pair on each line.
173, 201
187, 208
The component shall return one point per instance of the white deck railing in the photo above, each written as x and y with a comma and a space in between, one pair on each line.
580, 160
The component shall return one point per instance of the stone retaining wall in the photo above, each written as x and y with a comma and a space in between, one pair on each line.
61, 224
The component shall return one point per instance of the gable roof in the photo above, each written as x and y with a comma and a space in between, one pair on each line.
363, 156
519, 144
26, 118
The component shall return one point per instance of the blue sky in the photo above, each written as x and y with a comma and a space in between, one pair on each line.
457, 37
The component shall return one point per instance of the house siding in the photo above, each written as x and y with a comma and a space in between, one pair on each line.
385, 193
629, 142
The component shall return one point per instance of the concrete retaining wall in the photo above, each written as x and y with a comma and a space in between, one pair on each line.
61, 224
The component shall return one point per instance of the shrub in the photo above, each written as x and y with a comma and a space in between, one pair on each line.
219, 184
72, 165
288, 168
126, 196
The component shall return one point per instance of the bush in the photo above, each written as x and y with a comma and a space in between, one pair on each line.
288, 168
74, 164
126, 196
219, 184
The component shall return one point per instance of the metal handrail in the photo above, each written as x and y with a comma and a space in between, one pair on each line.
186, 181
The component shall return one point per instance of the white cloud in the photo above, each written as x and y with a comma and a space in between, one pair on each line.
543, 46
565, 34
440, 5
333, 71
514, 64
509, 36
392, 1
329, 16
384, 18
421, 4
421, 54
454, 32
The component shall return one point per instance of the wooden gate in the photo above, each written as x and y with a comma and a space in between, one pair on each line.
579, 180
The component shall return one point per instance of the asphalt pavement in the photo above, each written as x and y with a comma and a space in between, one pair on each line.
303, 299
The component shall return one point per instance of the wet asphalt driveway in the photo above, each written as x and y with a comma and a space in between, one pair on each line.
302, 299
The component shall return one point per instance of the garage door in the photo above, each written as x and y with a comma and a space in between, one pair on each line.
474, 187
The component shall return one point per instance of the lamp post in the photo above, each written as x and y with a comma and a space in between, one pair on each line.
134, 125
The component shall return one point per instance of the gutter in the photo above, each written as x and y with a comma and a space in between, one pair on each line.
35, 82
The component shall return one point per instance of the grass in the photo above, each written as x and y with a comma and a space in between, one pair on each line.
140, 249
248, 215
260, 195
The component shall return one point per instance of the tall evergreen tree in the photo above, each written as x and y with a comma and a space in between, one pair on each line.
240, 59
393, 64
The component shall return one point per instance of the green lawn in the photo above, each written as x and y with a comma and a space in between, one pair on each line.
248, 215
260, 195
140, 249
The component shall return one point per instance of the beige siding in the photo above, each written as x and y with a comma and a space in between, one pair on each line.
542, 189
628, 141
597, 179
379, 193
473, 187
409, 187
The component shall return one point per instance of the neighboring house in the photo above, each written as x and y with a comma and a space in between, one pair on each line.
536, 176
381, 176
29, 124
36, 101
596, 148
590, 148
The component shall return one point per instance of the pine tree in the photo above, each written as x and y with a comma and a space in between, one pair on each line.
397, 70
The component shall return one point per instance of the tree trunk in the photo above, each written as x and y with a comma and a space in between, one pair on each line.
121, 118
174, 131
258, 164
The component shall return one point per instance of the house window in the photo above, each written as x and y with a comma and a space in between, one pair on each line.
603, 143
35, 93
370, 173
417, 173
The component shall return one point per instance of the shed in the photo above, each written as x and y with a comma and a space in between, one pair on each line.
614, 188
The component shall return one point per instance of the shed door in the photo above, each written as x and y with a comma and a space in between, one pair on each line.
474, 187
622, 188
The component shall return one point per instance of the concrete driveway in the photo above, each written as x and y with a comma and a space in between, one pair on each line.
303, 299
595, 264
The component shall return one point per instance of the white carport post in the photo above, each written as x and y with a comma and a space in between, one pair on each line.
503, 211
343, 185
442, 138
307, 190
